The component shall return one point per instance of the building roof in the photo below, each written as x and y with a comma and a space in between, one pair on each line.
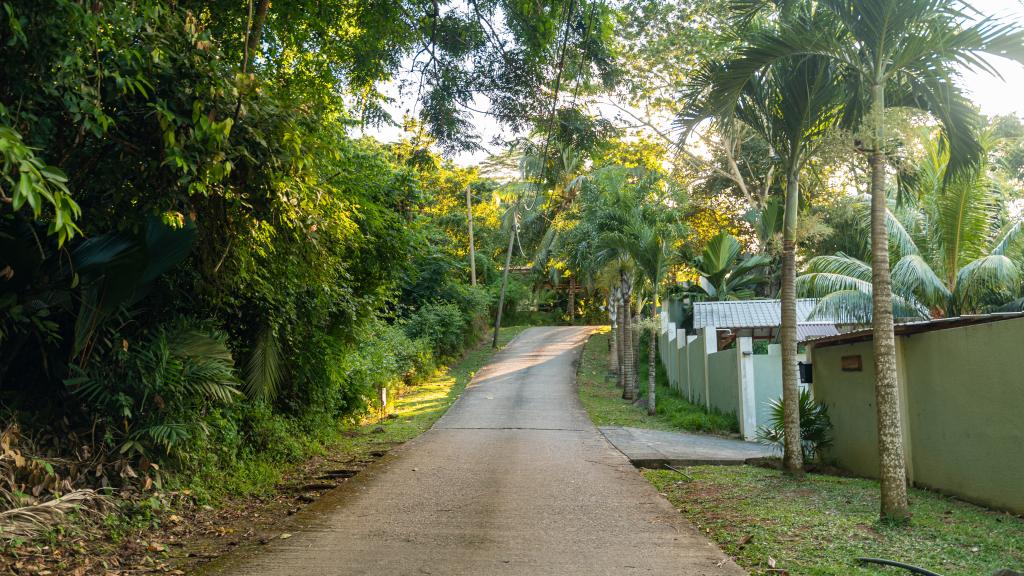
812, 330
908, 328
760, 314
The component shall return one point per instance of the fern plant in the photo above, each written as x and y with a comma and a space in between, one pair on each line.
152, 395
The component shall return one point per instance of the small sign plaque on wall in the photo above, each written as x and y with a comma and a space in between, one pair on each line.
852, 363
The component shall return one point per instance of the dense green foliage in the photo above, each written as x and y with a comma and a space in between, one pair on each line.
198, 260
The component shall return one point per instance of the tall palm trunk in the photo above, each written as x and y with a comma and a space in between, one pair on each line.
892, 466
613, 348
504, 283
613, 312
621, 341
792, 452
652, 352
472, 246
628, 350
572, 300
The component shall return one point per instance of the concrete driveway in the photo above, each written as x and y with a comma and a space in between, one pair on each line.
514, 479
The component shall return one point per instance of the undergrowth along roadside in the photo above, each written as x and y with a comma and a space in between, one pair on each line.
603, 399
175, 530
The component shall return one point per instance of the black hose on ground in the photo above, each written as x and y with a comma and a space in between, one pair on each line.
908, 567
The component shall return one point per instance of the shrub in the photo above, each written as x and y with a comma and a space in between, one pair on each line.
815, 427
149, 394
443, 324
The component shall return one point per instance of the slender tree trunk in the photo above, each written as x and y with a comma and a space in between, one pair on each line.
621, 341
613, 348
254, 35
472, 246
792, 459
613, 312
892, 466
504, 283
629, 352
572, 300
652, 352
252, 43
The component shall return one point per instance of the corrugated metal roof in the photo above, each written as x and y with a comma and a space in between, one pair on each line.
811, 331
908, 328
755, 314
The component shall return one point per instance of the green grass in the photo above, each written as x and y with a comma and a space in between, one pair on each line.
418, 407
603, 400
818, 525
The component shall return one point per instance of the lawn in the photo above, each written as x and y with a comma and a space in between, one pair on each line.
818, 525
603, 400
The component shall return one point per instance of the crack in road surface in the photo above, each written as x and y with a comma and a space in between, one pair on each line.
496, 487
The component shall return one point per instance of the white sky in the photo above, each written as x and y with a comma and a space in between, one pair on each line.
993, 95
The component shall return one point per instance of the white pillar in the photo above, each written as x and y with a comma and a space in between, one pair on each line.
668, 354
710, 347
680, 359
689, 378
748, 387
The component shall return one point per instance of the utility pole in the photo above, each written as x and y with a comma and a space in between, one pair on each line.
472, 248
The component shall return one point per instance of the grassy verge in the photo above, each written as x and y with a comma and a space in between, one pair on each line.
414, 410
603, 400
418, 407
818, 525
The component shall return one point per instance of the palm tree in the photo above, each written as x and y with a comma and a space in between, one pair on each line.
511, 222
971, 262
646, 241
891, 53
613, 315
610, 212
651, 255
792, 105
538, 184
725, 273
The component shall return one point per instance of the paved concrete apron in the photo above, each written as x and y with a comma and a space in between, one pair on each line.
514, 479
655, 448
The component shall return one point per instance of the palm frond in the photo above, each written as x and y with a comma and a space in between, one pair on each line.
912, 275
1009, 240
264, 372
840, 264
851, 306
31, 521
822, 284
994, 277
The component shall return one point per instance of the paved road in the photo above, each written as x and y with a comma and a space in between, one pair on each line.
514, 479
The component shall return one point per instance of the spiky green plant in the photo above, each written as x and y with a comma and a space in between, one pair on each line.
815, 427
